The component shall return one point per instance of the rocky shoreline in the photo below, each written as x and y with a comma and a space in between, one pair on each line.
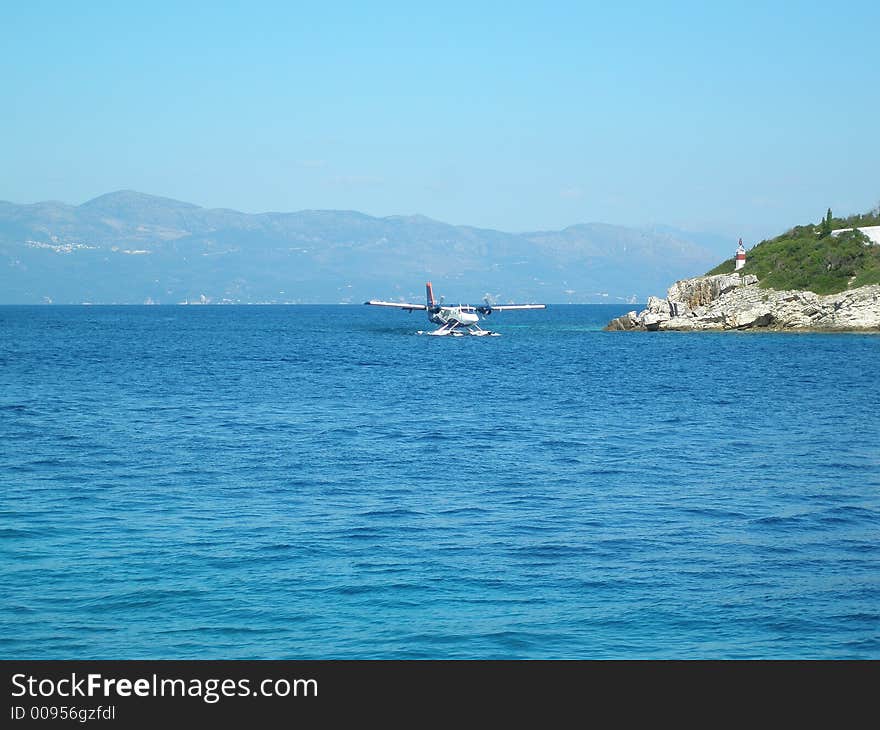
735, 302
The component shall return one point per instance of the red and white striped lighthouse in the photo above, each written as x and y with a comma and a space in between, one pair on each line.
740, 256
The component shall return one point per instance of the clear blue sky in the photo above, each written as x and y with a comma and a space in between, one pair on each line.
734, 116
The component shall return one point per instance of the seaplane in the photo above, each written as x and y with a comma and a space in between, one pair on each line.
454, 321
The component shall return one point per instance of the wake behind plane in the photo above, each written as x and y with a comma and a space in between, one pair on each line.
455, 321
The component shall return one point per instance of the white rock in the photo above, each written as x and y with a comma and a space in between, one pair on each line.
734, 302
755, 317
658, 306
702, 290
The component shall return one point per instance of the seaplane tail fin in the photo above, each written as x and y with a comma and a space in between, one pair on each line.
429, 295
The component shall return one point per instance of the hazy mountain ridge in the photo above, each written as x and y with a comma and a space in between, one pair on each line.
128, 247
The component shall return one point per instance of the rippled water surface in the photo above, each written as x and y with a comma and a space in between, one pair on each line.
320, 482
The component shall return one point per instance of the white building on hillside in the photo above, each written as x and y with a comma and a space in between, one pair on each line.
872, 232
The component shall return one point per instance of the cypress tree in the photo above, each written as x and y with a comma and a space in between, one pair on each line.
825, 226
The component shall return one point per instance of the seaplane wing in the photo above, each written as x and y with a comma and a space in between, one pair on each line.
489, 308
399, 305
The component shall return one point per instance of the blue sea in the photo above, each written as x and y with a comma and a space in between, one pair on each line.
319, 482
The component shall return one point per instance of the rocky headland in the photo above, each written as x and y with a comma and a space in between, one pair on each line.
813, 277
736, 302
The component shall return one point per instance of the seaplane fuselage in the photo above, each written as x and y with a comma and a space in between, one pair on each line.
447, 315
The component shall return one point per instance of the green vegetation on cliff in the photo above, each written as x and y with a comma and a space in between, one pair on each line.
810, 258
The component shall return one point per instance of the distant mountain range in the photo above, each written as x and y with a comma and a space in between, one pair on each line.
128, 247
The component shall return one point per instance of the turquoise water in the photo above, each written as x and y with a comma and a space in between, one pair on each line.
319, 482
